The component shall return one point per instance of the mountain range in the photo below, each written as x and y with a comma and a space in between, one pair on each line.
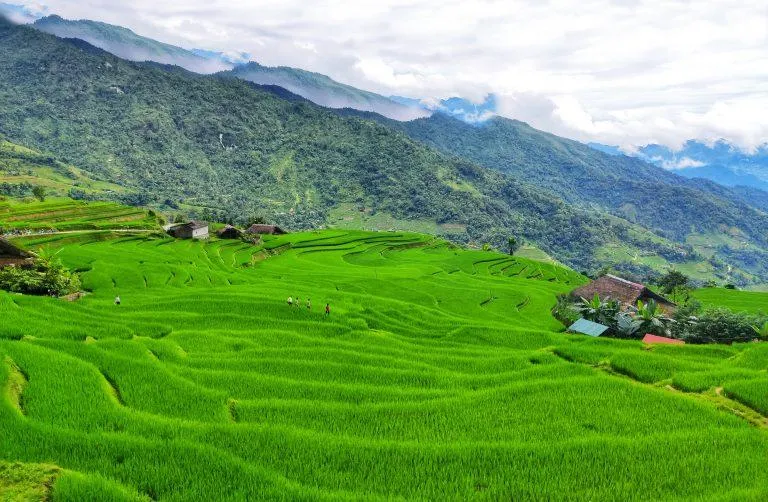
721, 161
218, 145
318, 88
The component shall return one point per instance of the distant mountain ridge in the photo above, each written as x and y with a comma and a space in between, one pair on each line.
324, 91
720, 162
126, 44
316, 87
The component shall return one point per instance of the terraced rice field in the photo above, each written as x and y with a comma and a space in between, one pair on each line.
68, 214
438, 375
739, 301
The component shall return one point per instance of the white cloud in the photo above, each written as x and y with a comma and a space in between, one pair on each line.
683, 163
624, 72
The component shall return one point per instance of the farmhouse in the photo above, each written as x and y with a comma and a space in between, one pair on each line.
265, 229
191, 230
229, 232
625, 292
12, 256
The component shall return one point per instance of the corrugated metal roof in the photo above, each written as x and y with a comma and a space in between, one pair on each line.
586, 327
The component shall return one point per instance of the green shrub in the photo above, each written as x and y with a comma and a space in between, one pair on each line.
43, 278
720, 325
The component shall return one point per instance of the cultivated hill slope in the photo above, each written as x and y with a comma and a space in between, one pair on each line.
205, 385
238, 150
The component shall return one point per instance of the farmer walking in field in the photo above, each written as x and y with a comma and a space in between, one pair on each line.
290, 301
117, 300
327, 309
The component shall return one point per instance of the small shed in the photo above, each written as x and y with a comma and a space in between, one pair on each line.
191, 230
230, 232
257, 228
585, 327
13, 256
649, 338
625, 292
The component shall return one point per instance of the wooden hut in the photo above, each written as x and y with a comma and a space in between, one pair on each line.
229, 232
190, 230
611, 287
257, 228
13, 256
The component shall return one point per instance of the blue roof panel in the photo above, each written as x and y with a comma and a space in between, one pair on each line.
586, 327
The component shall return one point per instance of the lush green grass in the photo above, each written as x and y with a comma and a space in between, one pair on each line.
439, 375
67, 214
736, 300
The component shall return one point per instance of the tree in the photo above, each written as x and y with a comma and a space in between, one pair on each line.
671, 280
257, 220
39, 192
513, 245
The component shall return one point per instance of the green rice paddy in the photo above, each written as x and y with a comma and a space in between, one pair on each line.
67, 214
439, 375
739, 301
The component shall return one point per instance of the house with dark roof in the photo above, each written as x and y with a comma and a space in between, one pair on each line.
229, 232
13, 256
191, 230
627, 293
265, 229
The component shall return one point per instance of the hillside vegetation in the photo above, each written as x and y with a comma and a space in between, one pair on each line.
669, 205
230, 150
439, 371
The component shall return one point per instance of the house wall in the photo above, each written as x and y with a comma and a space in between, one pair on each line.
200, 233
183, 233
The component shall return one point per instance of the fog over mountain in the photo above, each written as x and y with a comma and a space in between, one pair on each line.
617, 73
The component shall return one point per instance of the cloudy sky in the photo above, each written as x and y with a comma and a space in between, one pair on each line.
626, 72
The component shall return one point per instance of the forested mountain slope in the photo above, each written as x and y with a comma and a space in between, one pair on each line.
126, 44
627, 187
318, 88
176, 137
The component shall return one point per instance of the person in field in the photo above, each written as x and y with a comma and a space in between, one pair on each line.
117, 300
327, 309
290, 301
309, 304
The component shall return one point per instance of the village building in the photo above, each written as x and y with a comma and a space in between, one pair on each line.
229, 232
13, 256
265, 229
190, 230
627, 293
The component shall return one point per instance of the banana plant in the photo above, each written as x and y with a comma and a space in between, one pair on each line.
651, 319
762, 331
597, 310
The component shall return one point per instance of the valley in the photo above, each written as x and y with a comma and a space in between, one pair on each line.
203, 384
